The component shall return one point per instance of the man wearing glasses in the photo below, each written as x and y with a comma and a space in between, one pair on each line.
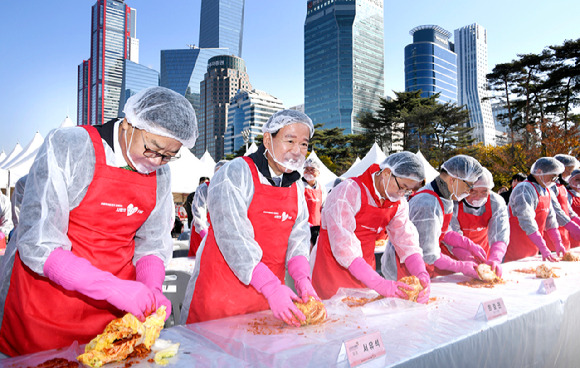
95, 226
431, 210
532, 214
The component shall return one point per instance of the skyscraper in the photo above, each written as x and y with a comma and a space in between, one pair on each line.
471, 49
343, 61
113, 40
222, 25
248, 110
135, 78
431, 63
225, 76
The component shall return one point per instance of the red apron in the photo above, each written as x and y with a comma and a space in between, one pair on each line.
433, 271
218, 291
195, 240
475, 227
314, 202
576, 208
520, 245
328, 275
41, 315
563, 200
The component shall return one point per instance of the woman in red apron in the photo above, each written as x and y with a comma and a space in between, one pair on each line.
483, 218
574, 200
95, 226
431, 210
356, 214
531, 212
259, 228
315, 195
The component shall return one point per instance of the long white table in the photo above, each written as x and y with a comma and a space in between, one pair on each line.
539, 330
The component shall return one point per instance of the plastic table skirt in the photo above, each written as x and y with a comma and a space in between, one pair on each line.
539, 330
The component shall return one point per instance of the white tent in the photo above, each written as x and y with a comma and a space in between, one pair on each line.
67, 122
207, 165
15, 152
30, 149
430, 172
185, 172
253, 148
327, 177
374, 156
2, 156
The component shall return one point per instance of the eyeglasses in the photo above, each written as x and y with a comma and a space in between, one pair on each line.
402, 191
149, 153
470, 186
311, 169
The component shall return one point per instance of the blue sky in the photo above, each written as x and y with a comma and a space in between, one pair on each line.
42, 43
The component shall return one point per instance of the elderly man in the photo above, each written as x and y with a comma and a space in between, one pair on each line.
482, 217
315, 195
95, 226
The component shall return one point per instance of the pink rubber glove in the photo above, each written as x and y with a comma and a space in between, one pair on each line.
496, 254
279, 296
360, 269
150, 271
537, 239
556, 238
299, 270
203, 233
2, 236
465, 267
457, 240
463, 254
573, 229
78, 274
576, 220
416, 267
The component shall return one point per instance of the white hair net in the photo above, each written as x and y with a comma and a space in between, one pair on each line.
219, 164
405, 165
485, 180
574, 173
312, 163
287, 117
463, 167
164, 112
567, 160
547, 165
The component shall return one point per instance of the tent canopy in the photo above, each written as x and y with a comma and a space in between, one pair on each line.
327, 177
430, 172
374, 156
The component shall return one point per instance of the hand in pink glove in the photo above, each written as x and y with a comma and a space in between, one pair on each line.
78, 274
416, 267
573, 229
457, 240
2, 236
299, 270
203, 233
465, 267
150, 270
496, 254
537, 239
556, 238
360, 269
463, 254
279, 296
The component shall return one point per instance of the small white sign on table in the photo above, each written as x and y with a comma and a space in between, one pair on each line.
547, 286
491, 309
363, 348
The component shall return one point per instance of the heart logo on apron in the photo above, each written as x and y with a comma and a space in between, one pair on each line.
131, 209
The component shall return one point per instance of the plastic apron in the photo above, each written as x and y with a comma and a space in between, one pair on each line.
520, 245
562, 198
328, 275
475, 227
102, 230
218, 291
433, 271
576, 208
314, 203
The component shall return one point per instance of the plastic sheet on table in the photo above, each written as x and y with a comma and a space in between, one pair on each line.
69, 353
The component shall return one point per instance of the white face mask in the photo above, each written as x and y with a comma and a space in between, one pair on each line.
291, 161
394, 198
478, 202
309, 177
458, 197
567, 178
145, 167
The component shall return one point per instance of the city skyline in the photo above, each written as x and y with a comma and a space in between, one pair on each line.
38, 67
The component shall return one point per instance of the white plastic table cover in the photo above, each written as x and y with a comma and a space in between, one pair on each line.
539, 330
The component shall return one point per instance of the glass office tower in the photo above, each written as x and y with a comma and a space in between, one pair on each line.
471, 49
431, 63
222, 25
113, 40
135, 78
343, 61
248, 110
